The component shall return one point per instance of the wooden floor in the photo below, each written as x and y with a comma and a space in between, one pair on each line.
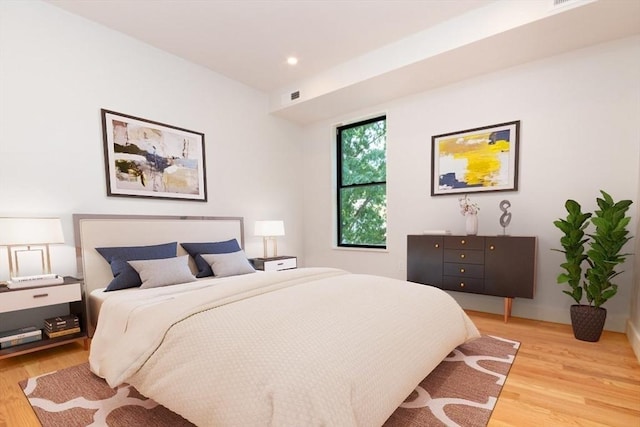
14, 407
555, 380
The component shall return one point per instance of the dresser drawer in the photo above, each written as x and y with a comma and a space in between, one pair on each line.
276, 264
463, 284
463, 242
39, 297
463, 256
464, 270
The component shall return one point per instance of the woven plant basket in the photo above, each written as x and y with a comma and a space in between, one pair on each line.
587, 322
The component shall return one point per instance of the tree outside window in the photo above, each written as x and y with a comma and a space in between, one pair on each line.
362, 186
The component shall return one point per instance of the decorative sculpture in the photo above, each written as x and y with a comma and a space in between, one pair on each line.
505, 218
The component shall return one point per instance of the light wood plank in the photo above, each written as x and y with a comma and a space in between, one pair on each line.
14, 407
555, 380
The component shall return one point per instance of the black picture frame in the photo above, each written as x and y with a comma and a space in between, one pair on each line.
481, 159
145, 158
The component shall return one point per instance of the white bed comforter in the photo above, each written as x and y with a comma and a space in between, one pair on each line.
305, 347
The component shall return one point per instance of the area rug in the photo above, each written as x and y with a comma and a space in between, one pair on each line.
461, 391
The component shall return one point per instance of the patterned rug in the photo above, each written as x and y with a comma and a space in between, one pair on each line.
461, 391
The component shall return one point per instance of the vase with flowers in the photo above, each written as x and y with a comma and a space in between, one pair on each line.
470, 211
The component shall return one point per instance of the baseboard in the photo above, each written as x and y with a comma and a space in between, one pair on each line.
633, 335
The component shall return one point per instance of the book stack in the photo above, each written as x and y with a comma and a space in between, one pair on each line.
60, 326
19, 336
38, 280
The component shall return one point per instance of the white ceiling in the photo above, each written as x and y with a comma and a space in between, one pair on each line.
344, 45
250, 40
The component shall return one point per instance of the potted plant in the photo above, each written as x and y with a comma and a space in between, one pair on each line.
600, 259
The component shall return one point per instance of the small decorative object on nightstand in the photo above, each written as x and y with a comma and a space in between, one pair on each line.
275, 263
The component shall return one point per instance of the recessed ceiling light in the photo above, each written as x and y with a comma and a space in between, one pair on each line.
292, 60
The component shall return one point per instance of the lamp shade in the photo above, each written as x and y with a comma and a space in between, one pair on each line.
269, 228
30, 231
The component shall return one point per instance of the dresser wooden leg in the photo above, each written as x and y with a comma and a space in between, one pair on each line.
508, 302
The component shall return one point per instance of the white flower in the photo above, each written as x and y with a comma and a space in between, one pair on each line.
467, 207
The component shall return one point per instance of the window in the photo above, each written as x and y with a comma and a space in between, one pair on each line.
362, 183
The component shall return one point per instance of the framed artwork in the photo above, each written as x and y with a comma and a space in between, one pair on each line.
475, 160
144, 158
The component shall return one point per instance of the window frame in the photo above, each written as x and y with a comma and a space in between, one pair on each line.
339, 186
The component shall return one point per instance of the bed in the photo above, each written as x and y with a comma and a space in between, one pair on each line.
310, 346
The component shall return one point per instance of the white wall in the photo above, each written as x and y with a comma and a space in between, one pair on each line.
58, 70
579, 134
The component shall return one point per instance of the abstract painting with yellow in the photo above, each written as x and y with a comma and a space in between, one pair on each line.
472, 160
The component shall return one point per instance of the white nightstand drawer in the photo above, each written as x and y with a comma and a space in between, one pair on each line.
39, 297
280, 264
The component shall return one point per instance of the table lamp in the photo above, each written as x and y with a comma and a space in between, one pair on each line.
16, 233
269, 230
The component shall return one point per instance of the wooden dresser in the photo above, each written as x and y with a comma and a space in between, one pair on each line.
502, 266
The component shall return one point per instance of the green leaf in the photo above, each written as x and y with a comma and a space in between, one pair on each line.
572, 207
604, 248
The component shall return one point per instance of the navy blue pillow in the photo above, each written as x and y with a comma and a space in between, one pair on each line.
124, 276
195, 249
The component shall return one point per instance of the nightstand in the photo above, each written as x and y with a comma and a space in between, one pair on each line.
25, 302
275, 263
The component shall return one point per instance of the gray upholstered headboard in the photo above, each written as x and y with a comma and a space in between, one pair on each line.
92, 231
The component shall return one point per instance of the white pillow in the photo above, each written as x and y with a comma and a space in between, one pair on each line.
163, 272
231, 264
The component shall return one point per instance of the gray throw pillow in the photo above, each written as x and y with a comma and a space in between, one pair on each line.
163, 272
230, 264
124, 276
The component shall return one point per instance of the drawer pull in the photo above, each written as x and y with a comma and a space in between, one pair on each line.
280, 263
462, 285
40, 295
462, 270
461, 255
462, 242
436, 245
492, 247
